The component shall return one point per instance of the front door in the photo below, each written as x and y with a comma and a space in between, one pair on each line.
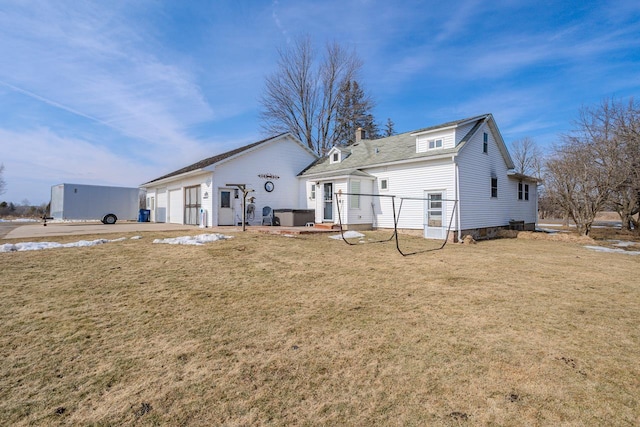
328, 201
435, 215
225, 212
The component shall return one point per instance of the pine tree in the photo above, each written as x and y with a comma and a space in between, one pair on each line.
353, 112
389, 128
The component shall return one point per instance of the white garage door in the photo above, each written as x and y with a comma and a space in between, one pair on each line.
175, 206
161, 206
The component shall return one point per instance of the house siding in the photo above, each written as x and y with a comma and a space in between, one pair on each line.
462, 131
523, 210
412, 180
447, 136
478, 209
364, 213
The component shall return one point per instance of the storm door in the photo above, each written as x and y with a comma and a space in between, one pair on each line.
192, 205
328, 201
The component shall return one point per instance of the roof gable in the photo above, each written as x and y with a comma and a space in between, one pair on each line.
402, 148
198, 166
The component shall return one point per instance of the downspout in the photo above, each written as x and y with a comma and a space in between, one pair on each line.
459, 225
535, 226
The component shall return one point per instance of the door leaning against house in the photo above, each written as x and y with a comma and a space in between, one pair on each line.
192, 205
225, 211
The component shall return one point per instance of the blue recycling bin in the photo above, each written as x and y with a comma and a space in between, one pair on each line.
144, 215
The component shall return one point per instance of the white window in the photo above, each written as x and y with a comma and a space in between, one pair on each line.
354, 199
384, 184
520, 190
435, 143
312, 195
523, 191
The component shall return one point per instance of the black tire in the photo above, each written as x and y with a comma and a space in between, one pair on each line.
109, 219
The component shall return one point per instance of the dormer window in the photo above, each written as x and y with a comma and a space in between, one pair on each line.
337, 155
435, 143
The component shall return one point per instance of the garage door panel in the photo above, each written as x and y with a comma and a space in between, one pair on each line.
175, 207
161, 207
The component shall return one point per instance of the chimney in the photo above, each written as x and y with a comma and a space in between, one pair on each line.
360, 134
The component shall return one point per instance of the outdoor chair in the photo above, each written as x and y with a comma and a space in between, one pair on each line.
267, 215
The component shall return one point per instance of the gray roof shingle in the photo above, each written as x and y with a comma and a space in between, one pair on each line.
370, 152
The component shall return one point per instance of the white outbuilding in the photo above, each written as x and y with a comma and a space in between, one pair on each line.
206, 191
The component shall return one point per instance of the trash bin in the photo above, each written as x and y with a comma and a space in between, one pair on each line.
143, 215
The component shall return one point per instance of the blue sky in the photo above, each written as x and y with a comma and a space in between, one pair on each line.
121, 92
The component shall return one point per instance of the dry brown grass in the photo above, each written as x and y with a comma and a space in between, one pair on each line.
267, 329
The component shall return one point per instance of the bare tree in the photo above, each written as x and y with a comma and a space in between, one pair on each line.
576, 183
527, 157
585, 169
3, 184
302, 96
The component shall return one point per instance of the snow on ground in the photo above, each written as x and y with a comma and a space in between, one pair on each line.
612, 250
623, 243
200, 239
38, 246
347, 235
20, 220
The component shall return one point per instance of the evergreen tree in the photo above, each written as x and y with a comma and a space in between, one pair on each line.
353, 112
389, 129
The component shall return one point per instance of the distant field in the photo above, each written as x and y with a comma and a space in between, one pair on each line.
266, 329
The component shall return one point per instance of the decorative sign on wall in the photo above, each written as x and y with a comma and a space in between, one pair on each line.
268, 176
206, 195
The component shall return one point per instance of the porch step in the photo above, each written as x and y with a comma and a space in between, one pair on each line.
327, 226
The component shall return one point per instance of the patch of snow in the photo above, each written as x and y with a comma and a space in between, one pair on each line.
612, 250
20, 220
347, 235
622, 243
38, 246
200, 239
136, 238
550, 230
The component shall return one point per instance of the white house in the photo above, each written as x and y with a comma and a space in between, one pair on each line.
268, 167
461, 168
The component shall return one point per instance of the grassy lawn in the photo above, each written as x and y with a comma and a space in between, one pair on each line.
264, 329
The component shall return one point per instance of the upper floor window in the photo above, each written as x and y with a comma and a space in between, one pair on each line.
485, 143
435, 143
494, 187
